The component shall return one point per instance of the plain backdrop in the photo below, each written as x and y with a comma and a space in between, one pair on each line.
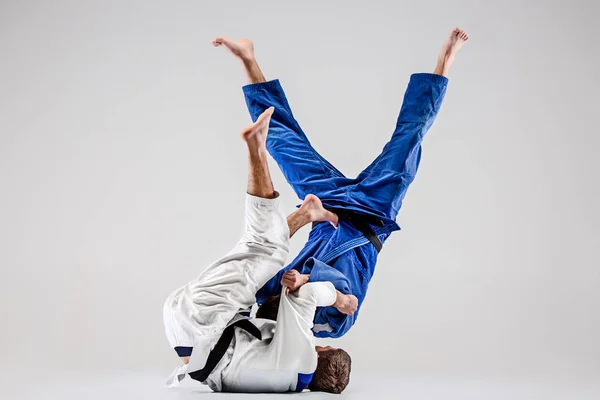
122, 175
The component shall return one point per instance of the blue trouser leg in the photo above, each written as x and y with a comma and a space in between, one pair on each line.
383, 184
304, 169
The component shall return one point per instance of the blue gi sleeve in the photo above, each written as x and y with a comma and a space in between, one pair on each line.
340, 323
321, 272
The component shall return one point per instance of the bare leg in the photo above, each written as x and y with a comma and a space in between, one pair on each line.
244, 51
255, 136
457, 38
261, 185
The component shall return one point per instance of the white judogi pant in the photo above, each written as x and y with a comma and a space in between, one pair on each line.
196, 314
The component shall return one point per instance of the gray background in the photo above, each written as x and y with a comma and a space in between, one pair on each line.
122, 175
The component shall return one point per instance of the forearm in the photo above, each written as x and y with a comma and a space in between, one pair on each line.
340, 298
345, 303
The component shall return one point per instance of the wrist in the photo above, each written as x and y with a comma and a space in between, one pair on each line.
339, 299
304, 278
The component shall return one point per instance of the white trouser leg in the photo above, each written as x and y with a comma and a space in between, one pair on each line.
205, 305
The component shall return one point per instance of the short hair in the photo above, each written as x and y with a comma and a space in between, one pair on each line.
269, 308
333, 372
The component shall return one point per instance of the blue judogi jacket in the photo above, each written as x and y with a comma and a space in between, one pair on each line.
343, 256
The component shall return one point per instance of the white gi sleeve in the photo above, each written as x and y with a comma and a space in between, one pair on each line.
323, 294
305, 300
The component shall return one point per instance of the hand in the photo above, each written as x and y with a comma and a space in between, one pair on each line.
346, 303
293, 280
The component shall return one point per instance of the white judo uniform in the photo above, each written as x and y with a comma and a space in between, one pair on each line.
197, 314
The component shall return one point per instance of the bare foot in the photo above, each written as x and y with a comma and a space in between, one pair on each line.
457, 38
243, 49
316, 212
255, 135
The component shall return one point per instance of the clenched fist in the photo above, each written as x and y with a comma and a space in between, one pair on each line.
346, 303
293, 280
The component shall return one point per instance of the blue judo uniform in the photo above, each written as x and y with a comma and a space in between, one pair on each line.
344, 256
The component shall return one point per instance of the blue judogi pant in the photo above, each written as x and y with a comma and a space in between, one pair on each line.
344, 256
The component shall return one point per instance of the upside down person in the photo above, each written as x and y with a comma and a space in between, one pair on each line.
367, 206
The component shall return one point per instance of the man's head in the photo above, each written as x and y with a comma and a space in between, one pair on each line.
269, 308
333, 370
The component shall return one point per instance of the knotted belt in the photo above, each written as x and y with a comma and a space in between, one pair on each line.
221, 347
362, 222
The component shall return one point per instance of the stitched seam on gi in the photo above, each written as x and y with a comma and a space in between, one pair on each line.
360, 241
344, 247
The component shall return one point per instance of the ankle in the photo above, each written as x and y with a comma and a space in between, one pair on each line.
446, 59
303, 216
297, 220
248, 61
306, 216
257, 153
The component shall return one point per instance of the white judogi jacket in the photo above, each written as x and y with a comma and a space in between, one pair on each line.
286, 357
284, 360
196, 314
